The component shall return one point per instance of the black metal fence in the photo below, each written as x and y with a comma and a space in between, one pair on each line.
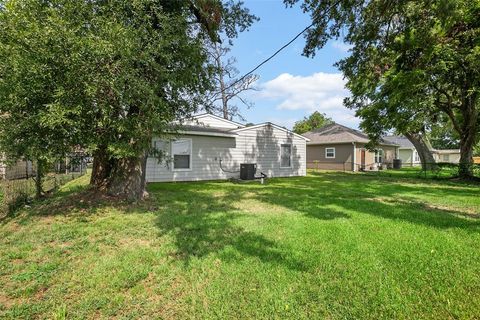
17, 181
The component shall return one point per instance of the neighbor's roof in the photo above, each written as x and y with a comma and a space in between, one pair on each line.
445, 151
336, 133
402, 141
204, 131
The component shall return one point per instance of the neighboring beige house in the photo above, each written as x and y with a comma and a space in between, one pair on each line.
336, 147
406, 151
447, 155
211, 148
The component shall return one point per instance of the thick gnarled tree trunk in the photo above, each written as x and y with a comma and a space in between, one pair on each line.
127, 178
123, 178
468, 136
424, 149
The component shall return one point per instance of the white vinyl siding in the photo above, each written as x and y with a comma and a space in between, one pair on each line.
330, 153
259, 145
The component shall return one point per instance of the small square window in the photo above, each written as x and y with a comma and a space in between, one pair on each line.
330, 153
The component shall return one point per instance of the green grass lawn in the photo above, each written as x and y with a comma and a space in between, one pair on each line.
330, 245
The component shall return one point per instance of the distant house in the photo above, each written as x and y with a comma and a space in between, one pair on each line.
406, 150
447, 155
409, 155
211, 148
336, 147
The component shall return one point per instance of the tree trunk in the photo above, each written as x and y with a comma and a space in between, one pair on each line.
127, 178
39, 179
468, 136
102, 167
221, 68
424, 149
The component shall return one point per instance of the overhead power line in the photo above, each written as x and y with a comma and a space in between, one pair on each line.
279, 50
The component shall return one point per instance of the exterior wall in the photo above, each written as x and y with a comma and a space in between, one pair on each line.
389, 154
406, 155
258, 145
343, 157
453, 157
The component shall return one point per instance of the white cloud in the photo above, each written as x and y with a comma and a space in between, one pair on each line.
322, 92
342, 46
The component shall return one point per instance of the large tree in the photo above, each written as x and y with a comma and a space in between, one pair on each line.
108, 75
410, 61
316, 120
228, 86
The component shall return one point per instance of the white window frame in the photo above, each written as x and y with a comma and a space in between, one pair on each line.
281, 146
377, 155
326, 153
445, 157
416, 157
173, 155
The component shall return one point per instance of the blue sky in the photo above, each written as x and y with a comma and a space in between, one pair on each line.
291, 85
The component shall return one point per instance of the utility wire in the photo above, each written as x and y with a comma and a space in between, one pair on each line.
279, 50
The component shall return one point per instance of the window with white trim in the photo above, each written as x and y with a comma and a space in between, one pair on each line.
416, 157
182, 154
330, 153
286, 156
379, 156
446, 158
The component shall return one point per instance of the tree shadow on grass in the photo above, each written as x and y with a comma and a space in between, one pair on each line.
201, 223
346, 194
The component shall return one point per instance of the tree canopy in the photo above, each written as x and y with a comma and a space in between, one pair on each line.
314, 121
410, 62
105, 75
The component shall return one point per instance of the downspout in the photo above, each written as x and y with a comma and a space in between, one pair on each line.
354, 167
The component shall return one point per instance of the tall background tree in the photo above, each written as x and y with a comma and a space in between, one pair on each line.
316, 120
228, 87
410, 62
108, 75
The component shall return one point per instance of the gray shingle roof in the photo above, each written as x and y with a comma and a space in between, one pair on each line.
336, 133
402, 141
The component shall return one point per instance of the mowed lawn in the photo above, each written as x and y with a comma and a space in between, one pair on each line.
330, 245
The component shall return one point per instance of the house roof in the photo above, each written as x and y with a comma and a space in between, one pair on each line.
265, 124
200, 130
210, 115
402, 141
336, 133
446, 151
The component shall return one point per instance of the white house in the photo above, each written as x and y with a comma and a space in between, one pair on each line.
210, 148
447, 155
410, 157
